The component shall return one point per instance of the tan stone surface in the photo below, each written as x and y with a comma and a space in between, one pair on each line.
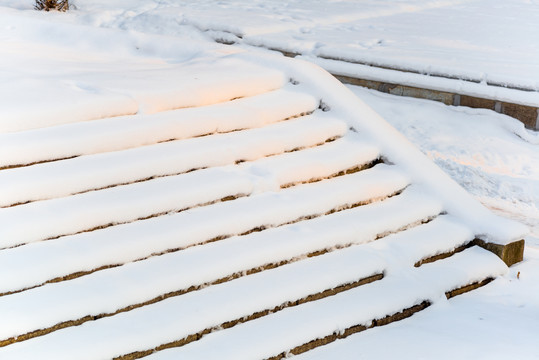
527, 114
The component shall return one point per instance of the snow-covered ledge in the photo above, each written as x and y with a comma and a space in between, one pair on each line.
511, 253
520, 104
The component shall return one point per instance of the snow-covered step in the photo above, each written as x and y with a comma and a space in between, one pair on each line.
117, 287
91, 210
90, 251
111, 134
238, 298
178, 317
109, 291
187, 228
145, 90
121, 167
212, 306
292, 327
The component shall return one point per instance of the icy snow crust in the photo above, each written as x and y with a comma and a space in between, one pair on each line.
246, 180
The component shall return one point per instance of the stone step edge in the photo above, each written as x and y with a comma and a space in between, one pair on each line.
510, 253
528, 115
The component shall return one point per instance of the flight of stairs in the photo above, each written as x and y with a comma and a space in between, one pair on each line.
251, 228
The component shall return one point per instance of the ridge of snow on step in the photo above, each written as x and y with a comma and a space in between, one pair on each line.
88, 251
87, 172
281, 331
63, 216
110, 290
123, 132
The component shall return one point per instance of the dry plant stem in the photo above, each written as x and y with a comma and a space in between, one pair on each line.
48, 5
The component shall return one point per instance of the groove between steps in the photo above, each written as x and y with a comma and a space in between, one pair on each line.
301, 114
444, 255
467, 288
332, 211
8, 167
474, 242
348, 171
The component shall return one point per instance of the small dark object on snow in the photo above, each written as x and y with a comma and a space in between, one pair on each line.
47, 5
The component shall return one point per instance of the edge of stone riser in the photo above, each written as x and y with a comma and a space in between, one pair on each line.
528, 115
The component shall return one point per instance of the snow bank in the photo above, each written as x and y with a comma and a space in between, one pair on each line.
473, 41
110, 84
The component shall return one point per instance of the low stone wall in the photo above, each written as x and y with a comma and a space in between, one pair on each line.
528, 115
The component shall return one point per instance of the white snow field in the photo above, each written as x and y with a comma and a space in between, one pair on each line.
164, 196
